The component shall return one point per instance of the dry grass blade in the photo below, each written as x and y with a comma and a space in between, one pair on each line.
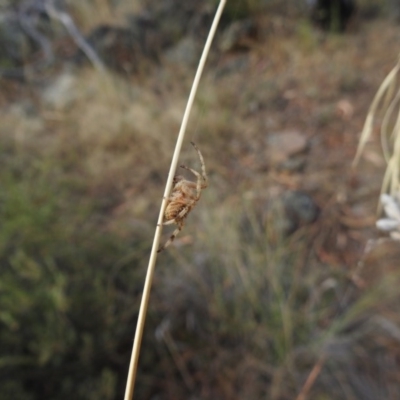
385, 128
153, 256
311, 378
389, 95
385, 88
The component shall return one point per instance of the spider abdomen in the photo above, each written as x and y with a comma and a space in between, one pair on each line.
173, 210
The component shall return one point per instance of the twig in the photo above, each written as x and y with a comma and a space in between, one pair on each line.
311, 378
153, 256
70, 26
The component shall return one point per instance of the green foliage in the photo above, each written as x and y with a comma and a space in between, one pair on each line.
66, 318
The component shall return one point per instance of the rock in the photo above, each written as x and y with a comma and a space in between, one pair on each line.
288, 212
296, 163
285, 145
61, 92
279, 216
300, 209
186, 52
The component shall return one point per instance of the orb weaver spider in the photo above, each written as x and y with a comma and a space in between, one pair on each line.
183, 198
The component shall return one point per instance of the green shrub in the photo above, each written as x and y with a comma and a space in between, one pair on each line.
68, 304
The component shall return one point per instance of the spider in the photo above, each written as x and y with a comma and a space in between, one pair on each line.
184, 196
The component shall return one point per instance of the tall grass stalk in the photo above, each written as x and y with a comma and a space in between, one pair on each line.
153, 256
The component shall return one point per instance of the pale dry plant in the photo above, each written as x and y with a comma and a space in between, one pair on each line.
387, 103
153, 256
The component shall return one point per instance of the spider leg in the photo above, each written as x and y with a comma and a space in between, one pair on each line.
171, 221
198, 176
203, 166
172, 237
183, 214
199, 184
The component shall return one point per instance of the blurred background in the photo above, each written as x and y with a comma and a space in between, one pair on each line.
268, 292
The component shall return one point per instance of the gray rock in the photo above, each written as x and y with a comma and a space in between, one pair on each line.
285, 146
300, 209
294, 164
280, 216
186, 52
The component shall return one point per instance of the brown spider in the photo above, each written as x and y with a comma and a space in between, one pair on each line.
184, 196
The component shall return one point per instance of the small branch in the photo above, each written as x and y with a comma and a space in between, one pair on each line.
78, 38
153, 256
311, 379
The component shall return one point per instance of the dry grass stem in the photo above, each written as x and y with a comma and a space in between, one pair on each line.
387, 101
311, 379
153, 256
